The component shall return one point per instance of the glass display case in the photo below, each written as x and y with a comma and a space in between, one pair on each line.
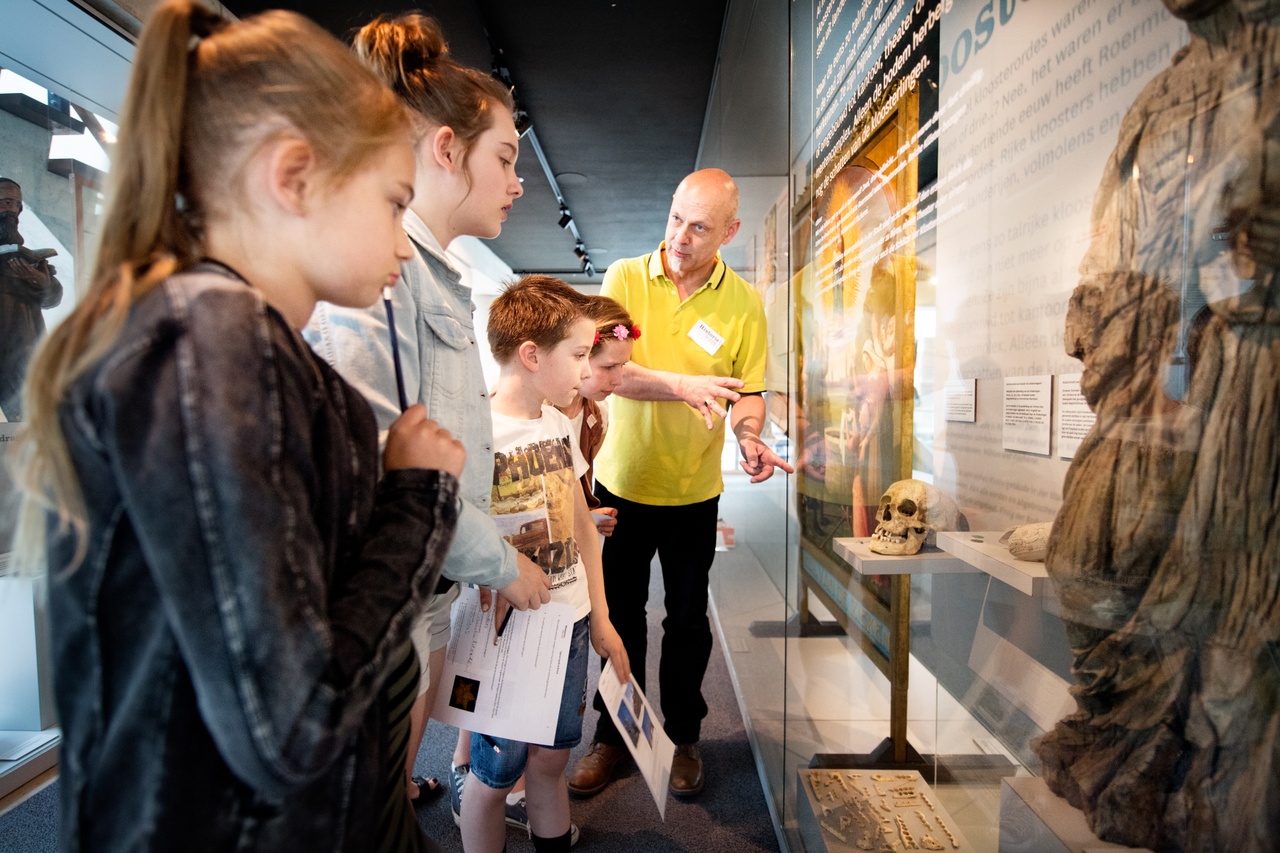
62, 76
1023, 260
1031, 268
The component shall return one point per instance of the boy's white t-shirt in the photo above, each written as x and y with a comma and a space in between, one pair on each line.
536, 466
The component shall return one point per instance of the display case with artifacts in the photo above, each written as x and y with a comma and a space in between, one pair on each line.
1164, 554
855, 363
1030, 102
851, 811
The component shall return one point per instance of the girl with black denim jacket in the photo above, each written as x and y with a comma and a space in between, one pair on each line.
231, 586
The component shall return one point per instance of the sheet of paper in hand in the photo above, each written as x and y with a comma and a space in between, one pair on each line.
642, 733
510, 689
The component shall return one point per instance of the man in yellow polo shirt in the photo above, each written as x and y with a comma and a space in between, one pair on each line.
703, 343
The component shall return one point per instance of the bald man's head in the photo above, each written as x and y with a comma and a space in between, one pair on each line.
716, 186
704, 217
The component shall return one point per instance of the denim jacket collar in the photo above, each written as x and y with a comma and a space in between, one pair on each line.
433, 253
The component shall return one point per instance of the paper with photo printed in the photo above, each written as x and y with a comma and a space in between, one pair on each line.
641, 732
511, 689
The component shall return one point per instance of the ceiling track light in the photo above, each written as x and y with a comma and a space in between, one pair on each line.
524, 125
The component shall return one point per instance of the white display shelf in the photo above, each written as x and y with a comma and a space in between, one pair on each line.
857, 553
25, 755
982, 549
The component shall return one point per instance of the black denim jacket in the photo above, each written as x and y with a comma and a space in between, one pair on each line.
219, 654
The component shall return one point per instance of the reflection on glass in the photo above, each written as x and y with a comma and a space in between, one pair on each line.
52, 167
28, 285
855, 402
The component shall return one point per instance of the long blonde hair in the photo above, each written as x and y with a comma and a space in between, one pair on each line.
204, 95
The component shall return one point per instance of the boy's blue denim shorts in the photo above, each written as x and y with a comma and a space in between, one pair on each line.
501, 770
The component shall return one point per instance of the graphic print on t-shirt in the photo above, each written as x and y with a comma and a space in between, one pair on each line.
533, 505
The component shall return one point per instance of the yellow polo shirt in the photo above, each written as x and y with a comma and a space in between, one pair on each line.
662, 454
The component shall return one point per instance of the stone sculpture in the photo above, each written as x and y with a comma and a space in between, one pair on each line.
909, 513
1029, 542
1165, 553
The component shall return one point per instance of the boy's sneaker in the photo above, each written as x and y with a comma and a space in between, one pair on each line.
457, 777
518, 817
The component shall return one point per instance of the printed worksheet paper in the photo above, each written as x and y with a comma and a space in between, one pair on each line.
510, 689
642, 733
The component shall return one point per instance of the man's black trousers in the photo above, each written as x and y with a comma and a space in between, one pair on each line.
684, 538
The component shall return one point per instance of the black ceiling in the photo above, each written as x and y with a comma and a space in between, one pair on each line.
616, 91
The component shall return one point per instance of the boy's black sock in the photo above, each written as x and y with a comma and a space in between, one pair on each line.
552, 845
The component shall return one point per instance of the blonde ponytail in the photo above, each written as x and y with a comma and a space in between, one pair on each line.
143, 217
203, 96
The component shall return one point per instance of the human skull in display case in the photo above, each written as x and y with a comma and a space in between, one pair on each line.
910, 511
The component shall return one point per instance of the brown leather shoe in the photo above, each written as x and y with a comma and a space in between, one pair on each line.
595, 770
687, 777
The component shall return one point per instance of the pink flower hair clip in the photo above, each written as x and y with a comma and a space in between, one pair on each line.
619, 332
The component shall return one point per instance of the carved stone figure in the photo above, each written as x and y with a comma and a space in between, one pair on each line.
909, 513
1028, 542
27, 286
1165, 554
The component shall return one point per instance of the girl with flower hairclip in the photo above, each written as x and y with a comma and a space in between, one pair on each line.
621, 331
615, 335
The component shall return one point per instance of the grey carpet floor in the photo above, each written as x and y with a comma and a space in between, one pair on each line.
729, 816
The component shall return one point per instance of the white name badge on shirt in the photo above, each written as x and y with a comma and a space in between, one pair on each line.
706, 337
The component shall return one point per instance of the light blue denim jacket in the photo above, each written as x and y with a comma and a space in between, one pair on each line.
441, 365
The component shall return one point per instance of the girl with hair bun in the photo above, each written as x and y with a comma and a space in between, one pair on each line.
466, 146
230, 586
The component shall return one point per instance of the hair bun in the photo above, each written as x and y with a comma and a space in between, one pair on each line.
409, 53
421, 40
399, 47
